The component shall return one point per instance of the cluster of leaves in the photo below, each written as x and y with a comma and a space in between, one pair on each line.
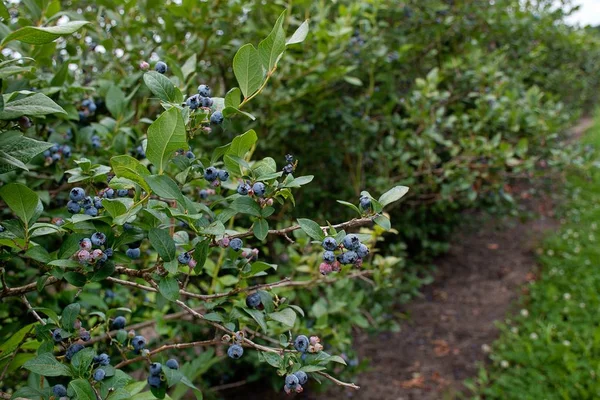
135, 141
548, 349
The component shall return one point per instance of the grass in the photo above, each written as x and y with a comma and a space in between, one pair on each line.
551, 348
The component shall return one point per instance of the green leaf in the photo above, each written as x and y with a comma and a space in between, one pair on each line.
125, 166
352, 206
43, 35
353, 80
258, 316
75, 278
169, 288
173, 376
248, 69
82, 360
201, 253
21, 200
274, 359
36, 105
69, 315
165, 187
46, 365
299, 35
287, 316
261, 228
301, 180
392, 195
162, 87
336, 359
21, 148
233, 98
311, 228
165, 136
114, 207
383, 222
241, 144
246, 205
83, 389
163, 243
273, 46
115, 101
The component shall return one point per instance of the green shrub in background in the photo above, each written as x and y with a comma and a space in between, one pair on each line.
454, 99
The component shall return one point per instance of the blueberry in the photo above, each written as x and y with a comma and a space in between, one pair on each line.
108, 252
122, 192
98, 239
329, 244
259, 189
55, 147
193, 102
87, 202
73, 207
85, 336
328, 256
236, 244
77, 194
55, 156
203, 194
57, 336
301, 343
289, 158
99, 374
154, 381
2, 228
161, 67
253, 300
292, 381
72, 350
189, 154
92, 107
133, 253
103, 359
83, 256
302, 377
66, 151
92, 211
351, 242
86, 103
172, 363
140, 151
288, 169
85, 244
138, 343
210, 174
349, 257
365, 202
184, 258
223, 175
243, 188
59, 390
119, 322
127, 226
206, 102
46, 153
235, 351
362, 251
204, 91
109, 193
98, 202
155, 368
216, 118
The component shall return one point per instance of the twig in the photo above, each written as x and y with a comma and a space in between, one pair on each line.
229, 385
337, 381
168, 347
4, 395
17, 291
35, 314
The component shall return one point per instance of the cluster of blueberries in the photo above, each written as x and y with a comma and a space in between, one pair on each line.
137, 341
79, 201
56, 153
154, 379
96, 142
290, 166
215, 175
88, 107
189, 154
257, 189
186, 259
87, 254
235, 243
295, 381
204, 193
354, 254
203, 99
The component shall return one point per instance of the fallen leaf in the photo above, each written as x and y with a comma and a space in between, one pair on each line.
441, 348
493, 246
417, 382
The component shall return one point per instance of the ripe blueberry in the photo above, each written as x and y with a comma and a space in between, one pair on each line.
99, 374
216, 118
223, 175
235, 351
59, 391
253, 300
351, 242
184, 258
138, 343
103, 359
108, 252
329, 244
204, 91
133, 253
154, 381
349, 257
328, 257
172, 363
193, 102
119, 322
122, 192
72, 350
92, 211
243, 188
98, 202
85, 336
210, 174
236, 244
302, 377
189, 154
109, 193
155, 368
56, 335
289, 158
203, 194
161, 67
98, 239
77, 194
73, 207
85, 244
301, 343
206, 102
291, 381
362, 251
365, 202
259, 189
288, 169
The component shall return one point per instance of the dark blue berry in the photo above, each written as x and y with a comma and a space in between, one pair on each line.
259, 189
119, 322
72, 350
207, 102
98, 202
55, 156
98, 239
349, 257
77, 194
87, 202
59, 391
57, 335
329, 244
210, 174
365, 202
99, 374
103, 359
328, 256
55, 147
289, 158
66, 151
302, 377
92, 211
133, 253
109, 193
204, 91
236, 244
253, 300
193, 102
203, 194
2, 228
235, 351
161, 67
138, 343
362, 251
189, 154
122, 192
155, 368
184, 258
73, 207
85, 336
243, 188
172, 363
291, 381
351, 242
301, 343
154, 381
288, 169
108, 252
223, 175
216, 118
46, 153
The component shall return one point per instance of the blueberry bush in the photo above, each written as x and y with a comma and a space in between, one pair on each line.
134, 260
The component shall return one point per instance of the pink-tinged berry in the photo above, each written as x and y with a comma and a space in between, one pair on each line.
192, 263
314, 340
85, 244
359, 263
96, 254
269, 202
83, 256
325, 268
144, 65
224, 242
336, 266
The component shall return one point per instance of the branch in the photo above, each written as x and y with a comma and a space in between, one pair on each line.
168, 347
35, 314
337, 381
17, 291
